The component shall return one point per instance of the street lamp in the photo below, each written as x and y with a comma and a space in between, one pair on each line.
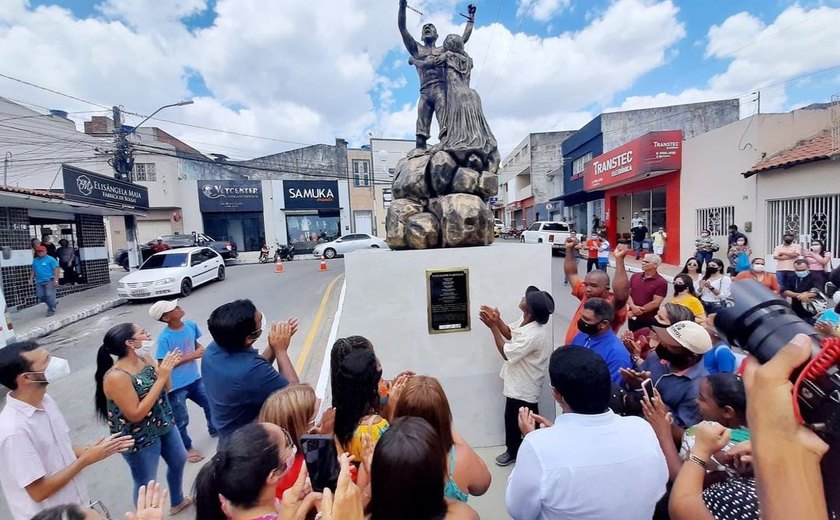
178, 104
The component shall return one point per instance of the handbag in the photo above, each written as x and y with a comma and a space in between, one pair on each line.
743, 262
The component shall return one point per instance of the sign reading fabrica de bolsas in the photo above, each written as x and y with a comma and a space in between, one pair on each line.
653, 152
99, 190
229, 195
310, 194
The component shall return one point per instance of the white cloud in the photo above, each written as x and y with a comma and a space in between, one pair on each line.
541, 10
762, 57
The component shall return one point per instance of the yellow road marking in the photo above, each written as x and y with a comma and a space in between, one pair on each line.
313, 330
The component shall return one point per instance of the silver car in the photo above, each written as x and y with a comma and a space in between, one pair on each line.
347, 244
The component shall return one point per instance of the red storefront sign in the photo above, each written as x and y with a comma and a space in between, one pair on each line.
653, 152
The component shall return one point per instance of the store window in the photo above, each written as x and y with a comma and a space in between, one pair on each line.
579, 164
56, 235
307, 231
649, 204
244, 229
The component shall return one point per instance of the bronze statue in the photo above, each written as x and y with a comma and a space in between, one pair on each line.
432, 79
441, 192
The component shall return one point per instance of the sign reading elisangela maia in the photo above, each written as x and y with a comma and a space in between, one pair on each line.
99, 190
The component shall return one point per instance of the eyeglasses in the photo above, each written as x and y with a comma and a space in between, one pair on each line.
97, 506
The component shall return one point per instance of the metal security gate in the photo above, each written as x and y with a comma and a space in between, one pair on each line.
811, 218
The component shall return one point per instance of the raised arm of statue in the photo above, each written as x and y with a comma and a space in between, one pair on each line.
408, 40
470, 21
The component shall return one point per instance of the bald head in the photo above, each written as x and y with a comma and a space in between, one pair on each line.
596, 284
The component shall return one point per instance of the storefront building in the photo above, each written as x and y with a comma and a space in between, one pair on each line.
232, 211
311, 212
642, 176
75, 216
580, 207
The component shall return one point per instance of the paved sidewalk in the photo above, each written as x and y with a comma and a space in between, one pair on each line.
33, 323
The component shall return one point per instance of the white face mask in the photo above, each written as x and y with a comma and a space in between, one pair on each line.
815, 248
146, 347
758, 268
56, 369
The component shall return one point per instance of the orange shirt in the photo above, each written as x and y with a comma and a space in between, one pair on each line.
769, 280
592, 248
578, 291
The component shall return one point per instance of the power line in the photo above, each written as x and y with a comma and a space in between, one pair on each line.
490, 41
512, 43
52, 91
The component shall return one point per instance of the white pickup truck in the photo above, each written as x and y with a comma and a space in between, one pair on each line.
554, 233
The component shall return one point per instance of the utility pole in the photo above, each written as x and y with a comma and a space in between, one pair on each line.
123, 161
6, 162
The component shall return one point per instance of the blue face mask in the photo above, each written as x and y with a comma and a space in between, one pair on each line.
802, 274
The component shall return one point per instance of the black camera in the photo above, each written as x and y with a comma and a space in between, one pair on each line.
761, 323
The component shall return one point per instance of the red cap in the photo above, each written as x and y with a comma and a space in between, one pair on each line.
40, 249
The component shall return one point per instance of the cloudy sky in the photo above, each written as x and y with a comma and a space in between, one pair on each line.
293, 72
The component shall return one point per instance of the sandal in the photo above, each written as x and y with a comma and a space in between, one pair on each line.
174, 510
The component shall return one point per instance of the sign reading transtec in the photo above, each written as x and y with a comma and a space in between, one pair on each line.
99, 190
229, 195
448, 300
652, 152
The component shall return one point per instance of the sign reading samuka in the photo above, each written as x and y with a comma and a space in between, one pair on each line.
311, 194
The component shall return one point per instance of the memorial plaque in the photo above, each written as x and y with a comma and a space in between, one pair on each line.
448, 300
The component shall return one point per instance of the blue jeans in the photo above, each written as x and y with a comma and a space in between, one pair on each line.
178, 400
144, 465
637, 247
45, 292
703, 257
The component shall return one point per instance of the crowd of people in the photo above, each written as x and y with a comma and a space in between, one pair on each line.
659, 416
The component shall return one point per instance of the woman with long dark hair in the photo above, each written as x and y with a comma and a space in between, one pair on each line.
408, 475
715, 287
240, 481
468, 475
131, 398
356, 401
693, 268
819, 262
685, 295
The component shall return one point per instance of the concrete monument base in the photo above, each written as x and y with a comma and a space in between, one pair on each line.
386, 301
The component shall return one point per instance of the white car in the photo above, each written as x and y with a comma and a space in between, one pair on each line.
172, 272
347, 244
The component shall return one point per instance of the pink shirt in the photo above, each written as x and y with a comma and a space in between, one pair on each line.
34, 443
814, 264
786, 265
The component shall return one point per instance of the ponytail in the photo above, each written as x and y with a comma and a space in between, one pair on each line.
238, 471
114, 344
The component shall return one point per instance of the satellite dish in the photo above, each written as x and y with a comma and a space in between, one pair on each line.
383, 155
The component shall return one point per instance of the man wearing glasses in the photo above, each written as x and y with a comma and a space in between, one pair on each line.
238, 378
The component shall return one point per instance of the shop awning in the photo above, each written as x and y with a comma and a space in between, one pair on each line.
654, 153
12, 197
579, 197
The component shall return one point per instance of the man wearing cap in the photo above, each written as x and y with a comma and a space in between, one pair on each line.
525, 349
676, 368
183, 335
45, 273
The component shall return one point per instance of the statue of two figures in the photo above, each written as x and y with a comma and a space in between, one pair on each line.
440, 192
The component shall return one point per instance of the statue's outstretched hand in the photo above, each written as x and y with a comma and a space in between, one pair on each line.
470, 10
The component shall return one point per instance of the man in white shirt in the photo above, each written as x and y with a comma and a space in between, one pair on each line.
39, 466
591, 464
525, 349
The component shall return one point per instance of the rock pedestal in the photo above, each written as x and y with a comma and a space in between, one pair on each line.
440, 201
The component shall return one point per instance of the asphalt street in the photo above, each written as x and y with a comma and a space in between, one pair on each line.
301, 291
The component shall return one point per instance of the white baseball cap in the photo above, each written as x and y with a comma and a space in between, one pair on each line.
158, 309
691, 336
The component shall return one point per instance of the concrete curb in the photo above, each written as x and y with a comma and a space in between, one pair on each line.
49, 328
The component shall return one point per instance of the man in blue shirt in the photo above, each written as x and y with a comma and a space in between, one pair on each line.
597, 335
239, 379
183, 335
44, 275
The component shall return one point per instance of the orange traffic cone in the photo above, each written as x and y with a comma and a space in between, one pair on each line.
323, 266
278, 267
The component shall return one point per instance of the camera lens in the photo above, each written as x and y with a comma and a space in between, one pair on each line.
760, 322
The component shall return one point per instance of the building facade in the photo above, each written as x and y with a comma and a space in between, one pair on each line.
768, 174
385, 153
608, 131
527, 179
361, 189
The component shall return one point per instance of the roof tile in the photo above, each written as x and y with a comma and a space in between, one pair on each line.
818, 147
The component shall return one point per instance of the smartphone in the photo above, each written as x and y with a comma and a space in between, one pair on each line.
647, 388
321, 461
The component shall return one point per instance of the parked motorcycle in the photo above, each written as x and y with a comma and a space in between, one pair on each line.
286, 252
